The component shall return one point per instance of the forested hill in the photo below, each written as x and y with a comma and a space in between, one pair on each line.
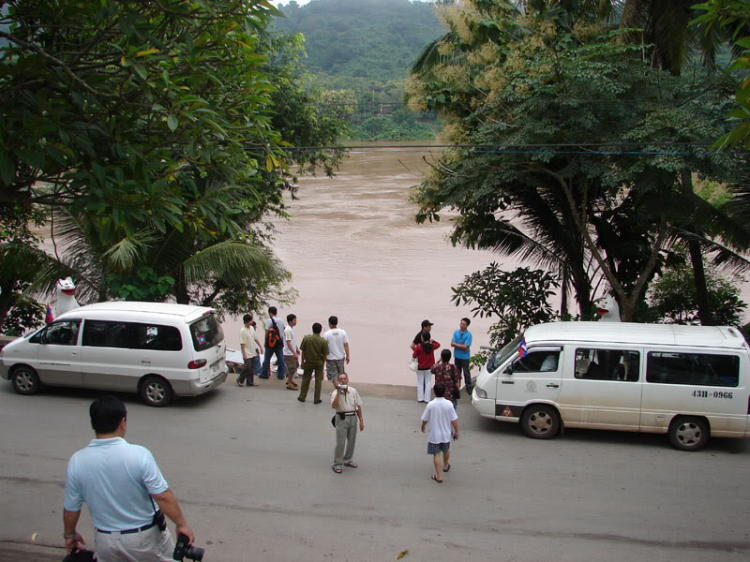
370, 39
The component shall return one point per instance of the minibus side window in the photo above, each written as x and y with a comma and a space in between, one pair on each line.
156, 337
61, 333
607, 364
537, 362
699, 369
99, 333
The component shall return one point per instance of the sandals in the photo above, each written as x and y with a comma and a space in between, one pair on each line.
240, 384
435, 478
447, 468
292, 387
336, 469
350, 464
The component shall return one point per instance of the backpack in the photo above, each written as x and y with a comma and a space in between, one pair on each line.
273, 337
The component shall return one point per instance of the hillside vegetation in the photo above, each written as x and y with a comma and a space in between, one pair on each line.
360, 52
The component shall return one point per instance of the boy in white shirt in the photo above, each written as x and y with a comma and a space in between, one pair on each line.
291, 351
443, 421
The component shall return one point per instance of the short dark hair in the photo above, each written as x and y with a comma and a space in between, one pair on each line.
272, 310
247, 318
106, 414
468, 322
290, 317
424, 335
445, 355
317, 328
333, 320
439, 390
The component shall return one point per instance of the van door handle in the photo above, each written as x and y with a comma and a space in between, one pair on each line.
508, 382
145, 362
553, 385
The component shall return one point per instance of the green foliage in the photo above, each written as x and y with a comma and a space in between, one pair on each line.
19, 262
157, 130
144, 284
399, 125
734, 16
579, 149
518, 298
672, 298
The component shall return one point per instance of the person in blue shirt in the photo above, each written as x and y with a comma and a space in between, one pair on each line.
122, 487
461, 343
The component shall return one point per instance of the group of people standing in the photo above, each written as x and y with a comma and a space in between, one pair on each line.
449, 375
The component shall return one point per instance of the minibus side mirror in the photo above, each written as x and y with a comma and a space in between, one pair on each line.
509, 369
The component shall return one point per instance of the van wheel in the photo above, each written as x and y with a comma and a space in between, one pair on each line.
155, 391
688, 434
26, 381
540, 422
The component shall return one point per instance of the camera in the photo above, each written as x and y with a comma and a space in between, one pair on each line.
343, 387
183, 550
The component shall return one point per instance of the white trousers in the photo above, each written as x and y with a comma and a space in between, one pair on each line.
424, 385
151, 545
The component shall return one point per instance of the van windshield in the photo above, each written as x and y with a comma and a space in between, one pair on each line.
504, 354
206, 333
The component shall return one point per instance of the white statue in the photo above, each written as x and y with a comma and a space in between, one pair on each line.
608, 309
66, 296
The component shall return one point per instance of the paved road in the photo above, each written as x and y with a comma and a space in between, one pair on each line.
252, 470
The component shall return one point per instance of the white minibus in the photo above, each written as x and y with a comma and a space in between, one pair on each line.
688, 381
158, 350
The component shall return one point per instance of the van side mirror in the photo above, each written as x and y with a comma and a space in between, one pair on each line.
509, 369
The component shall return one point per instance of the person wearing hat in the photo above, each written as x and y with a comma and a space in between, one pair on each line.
426, 327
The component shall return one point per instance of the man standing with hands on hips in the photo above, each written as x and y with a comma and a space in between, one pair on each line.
461, 342
119, 483
347, 403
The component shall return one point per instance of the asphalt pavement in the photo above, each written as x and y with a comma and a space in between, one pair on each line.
252, 470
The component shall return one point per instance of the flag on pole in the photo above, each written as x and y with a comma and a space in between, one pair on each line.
522, 351
48, 318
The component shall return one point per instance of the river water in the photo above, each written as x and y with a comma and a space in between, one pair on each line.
355, 251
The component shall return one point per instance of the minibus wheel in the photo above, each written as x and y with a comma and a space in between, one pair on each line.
26, 381
540, 421
155, 391
688, 433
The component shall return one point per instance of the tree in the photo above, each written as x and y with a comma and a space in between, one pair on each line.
518, 299
568, 132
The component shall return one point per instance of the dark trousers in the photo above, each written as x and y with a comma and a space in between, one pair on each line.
463, 365
248, 371
280, 367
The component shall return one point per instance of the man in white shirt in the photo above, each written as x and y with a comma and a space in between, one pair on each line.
443, 420
291, 351
274, 345
248, 342
338, 350
348, 405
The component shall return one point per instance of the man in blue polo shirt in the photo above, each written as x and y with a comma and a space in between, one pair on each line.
461, 343
119, 483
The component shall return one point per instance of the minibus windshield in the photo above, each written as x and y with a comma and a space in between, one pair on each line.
502, 356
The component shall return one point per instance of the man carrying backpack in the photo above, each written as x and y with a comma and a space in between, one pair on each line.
274, 345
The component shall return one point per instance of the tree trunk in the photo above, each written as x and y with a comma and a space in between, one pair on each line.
696, 259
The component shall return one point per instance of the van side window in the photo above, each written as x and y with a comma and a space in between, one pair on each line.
153, 336
98, 333
537, 362
607, 364
699, 369
62, 333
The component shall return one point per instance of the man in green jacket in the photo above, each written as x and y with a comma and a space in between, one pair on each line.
314, 352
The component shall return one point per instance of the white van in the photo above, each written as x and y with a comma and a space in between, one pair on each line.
158, 350
688, 381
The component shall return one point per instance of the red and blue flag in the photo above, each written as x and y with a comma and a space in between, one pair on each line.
48, 318
522, 351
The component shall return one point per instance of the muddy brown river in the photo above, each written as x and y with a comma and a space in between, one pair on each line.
355, 251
